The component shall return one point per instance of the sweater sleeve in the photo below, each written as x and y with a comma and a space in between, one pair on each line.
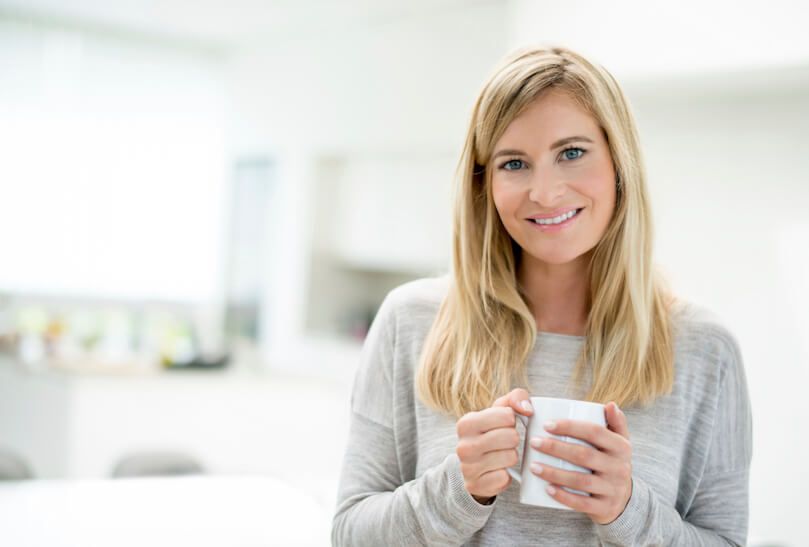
377, 502
718, 514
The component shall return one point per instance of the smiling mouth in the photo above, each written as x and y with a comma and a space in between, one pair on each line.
556, 221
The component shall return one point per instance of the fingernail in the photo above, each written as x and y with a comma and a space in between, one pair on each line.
536, 442
536, 468
550, 426
551, 490
526, 405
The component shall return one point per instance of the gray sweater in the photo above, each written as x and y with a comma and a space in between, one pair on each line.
401, 482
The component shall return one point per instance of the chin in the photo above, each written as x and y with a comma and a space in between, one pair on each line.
555, 258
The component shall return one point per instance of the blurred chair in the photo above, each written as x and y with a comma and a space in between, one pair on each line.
155, 464
13, 467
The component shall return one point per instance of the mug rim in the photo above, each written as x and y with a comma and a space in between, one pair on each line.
577, 401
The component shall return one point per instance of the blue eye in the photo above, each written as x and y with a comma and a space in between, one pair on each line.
569, 157
512, 165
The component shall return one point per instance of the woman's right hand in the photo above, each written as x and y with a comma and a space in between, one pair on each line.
487, 445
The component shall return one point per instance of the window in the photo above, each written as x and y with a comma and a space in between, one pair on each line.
114, 168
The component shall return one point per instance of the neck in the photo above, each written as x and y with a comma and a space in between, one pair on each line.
557, 294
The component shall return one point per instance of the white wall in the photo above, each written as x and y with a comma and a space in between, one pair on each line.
634, 38
407, 84
728, 178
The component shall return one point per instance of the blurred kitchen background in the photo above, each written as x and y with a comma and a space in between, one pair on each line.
204, 202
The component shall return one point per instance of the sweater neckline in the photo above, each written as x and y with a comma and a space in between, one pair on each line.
558, 335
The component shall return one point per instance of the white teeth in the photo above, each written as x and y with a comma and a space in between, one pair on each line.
556, 220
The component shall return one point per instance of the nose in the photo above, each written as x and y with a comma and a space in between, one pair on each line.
546, 189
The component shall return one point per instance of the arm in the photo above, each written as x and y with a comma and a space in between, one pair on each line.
376, 508
379, 501
718, 513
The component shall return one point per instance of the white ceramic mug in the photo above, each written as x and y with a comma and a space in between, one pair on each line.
532, 487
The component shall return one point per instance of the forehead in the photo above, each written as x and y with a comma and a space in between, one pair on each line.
550, 117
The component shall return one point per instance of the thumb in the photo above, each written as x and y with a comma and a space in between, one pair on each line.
518, 399
616, 420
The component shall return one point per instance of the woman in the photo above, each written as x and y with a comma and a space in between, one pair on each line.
568, 307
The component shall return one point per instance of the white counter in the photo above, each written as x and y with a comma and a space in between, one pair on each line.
234, 422
199, 511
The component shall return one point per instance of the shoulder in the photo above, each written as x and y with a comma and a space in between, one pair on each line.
712, 374
416, 300
702, 337
697, 324
407, 314
390, 351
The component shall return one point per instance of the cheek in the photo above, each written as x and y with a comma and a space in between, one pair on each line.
607, 194
501, 201
598, 185
604, 201
507, 203
505, 199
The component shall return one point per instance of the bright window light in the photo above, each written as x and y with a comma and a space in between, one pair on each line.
113, 167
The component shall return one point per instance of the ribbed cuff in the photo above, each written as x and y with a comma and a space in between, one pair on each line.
624, 529
473, 513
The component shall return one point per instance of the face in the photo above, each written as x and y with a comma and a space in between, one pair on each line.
553, 159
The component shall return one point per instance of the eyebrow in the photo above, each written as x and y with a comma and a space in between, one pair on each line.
557, 144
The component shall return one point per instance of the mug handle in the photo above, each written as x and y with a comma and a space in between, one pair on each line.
516, 475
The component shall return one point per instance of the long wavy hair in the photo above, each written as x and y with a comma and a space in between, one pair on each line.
484, 331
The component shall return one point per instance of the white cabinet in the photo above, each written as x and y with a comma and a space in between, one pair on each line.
232, 421
378, 220
394, 213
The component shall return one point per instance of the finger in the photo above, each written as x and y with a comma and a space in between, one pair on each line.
597, 435
499, 459
518, 399
577, 502
493, 418
616, 420
584, 456
473, 449
585, 482
501, 438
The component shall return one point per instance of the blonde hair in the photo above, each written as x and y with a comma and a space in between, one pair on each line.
478, 345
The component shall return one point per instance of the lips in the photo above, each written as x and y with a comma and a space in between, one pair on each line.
550, 227
554, 214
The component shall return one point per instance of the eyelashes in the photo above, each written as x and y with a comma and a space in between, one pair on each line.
515, 164
505, 166
573, 148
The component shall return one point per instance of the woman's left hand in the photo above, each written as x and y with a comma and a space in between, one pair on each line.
610, 484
